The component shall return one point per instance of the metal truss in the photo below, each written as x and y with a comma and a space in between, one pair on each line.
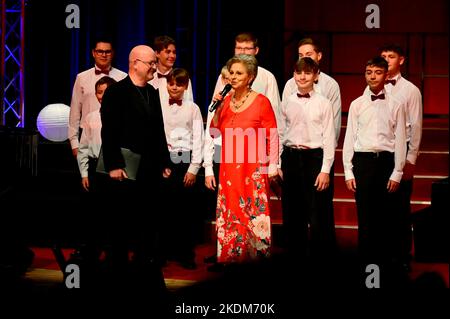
12, 63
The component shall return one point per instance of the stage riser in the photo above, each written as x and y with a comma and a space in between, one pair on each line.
428, 164
344, 212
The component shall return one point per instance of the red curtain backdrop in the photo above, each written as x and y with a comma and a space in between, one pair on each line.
421, 27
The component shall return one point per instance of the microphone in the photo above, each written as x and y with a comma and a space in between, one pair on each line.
224, 92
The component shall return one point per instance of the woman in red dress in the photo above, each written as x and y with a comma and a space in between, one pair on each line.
247, 124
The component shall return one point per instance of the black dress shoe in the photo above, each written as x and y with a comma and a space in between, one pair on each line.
210, 259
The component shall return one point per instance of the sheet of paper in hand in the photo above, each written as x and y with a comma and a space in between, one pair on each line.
131, 159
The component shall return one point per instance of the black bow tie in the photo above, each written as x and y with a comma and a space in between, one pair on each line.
390, 81
303, 95
175, 101
160, 75
97, 72
376, 97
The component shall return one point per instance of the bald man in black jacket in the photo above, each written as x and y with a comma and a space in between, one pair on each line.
132, 119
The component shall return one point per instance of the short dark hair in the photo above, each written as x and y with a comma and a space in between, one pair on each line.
247, 37
179, 75
162, 42
306, 64
378, 61
104, 80
310, 41
104, 39
394, 48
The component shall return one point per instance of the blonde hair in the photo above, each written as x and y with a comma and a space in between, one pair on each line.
249, 61
224, 72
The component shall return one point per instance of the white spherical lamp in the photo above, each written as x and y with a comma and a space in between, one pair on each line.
53, 122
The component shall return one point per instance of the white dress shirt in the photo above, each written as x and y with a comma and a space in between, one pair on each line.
328, 87
84, 100
375, 126
183, 126
90, 141
266, 84
161, 85
410, 95
308, 123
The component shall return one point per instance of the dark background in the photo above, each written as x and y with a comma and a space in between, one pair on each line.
205, 31
48, 206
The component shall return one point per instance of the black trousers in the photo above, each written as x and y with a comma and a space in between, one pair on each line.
303, 205
180, 218
132, 226
211, 199
402, 250
378, 210
403, 237
91, 226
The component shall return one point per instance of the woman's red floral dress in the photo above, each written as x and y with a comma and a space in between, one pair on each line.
249, 144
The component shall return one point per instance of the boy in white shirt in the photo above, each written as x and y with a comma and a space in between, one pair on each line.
374, 155
88, 254
211, 155
307, 133
404, 90
166, 53
83, 100
324, 85
183, 125
90, 141
212, 147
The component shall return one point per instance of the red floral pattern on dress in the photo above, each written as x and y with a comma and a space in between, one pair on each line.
244, 233
242, 213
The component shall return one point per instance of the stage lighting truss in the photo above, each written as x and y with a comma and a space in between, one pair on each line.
12, 63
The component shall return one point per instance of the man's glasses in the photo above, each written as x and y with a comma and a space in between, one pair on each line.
150, 64
244, 49
103, 52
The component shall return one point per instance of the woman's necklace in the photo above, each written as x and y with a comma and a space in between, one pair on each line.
238, 106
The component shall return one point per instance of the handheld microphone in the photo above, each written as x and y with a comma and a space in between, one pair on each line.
224, 92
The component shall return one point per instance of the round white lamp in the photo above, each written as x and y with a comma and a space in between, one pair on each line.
53, 122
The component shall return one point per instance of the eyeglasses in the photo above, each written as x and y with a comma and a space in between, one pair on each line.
150, 63
244, 49
101, 52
